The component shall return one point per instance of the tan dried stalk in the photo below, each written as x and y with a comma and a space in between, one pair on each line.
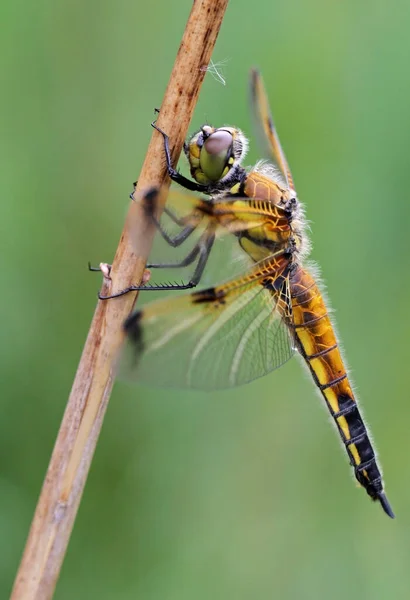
74, 448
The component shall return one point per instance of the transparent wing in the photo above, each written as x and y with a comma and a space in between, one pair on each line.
233, 213
265, 128
227, 218
213, 339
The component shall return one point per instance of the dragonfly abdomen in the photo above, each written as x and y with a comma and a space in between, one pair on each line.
317, 343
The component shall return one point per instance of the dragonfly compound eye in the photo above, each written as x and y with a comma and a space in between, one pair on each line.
215, 154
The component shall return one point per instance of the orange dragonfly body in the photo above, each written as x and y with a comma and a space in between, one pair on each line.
232, 333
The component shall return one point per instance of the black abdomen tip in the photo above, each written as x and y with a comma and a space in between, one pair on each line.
385, 504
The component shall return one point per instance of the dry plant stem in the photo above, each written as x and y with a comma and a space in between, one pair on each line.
69, 465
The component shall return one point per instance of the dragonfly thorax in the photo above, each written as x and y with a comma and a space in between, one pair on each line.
214, 153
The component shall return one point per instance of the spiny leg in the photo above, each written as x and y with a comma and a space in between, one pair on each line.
204, 250
201, 248
175, 241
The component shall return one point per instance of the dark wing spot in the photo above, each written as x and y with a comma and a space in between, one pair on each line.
150, 201
133, 329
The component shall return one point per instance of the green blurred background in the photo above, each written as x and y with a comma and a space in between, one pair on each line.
241, 494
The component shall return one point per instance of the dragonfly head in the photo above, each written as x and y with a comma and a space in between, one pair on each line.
213, 152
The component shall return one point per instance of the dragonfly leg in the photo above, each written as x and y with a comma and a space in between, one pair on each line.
178, 239
94, 269
173, 173
104, 268
182, 221
204, 250
189, 223
183, 263
150, 207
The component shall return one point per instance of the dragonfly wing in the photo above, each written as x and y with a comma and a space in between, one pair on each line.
188, 209
213, 339
201, 218
265, 127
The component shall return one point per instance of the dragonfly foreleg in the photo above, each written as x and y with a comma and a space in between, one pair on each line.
173, 173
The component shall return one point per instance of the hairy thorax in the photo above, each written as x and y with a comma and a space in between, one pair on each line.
264, 184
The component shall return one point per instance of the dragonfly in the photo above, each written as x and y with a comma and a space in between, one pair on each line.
232, 333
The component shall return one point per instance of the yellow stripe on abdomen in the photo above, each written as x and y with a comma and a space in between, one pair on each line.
317, 343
